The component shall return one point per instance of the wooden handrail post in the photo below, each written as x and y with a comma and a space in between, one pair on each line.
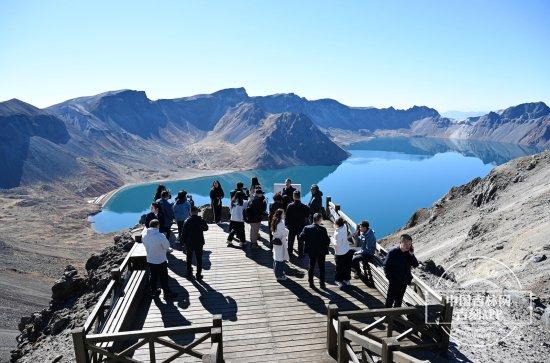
216, 337
79, 342
389, 345
343, 325
332, 335
389, 320
327, 207
152, 355
337, 208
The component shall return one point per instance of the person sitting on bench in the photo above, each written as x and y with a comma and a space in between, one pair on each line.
156, 247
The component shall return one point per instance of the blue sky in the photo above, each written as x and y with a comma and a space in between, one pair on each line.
451, 55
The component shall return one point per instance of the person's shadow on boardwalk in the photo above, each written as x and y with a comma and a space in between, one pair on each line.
215, 302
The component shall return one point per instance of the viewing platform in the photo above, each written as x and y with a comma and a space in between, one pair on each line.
239, 312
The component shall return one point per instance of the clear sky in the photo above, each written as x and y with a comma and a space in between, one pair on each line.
451, 55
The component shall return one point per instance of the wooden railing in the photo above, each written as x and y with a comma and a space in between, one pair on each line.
418, 292
89, 346
343, 331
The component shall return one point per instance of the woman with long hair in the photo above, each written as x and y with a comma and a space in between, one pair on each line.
216, 197
280, 244
254, 183
342, 253
158, 194
277, 203
236, 223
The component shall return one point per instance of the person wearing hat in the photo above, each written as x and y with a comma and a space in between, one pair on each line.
297, 217
316, 203
181, 208
255, 212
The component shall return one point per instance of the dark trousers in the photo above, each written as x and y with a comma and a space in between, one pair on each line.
217, 210
167, 230
396, 291
197, 251
343, 266
236, 228
293, 234
180, 230
156, 272
363, 259
318, 260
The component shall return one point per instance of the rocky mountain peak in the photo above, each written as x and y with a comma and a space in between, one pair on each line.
526, 110
15, 106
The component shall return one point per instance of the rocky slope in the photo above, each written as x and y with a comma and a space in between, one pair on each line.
527, 124
45, 335
503, 217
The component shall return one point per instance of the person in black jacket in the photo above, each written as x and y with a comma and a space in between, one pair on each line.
216, 197
288, 189
155, 213
316, 203
193, 237
167, 209
316, 241
297, 215
255, 212
397, 267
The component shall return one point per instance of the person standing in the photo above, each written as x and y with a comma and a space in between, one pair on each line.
297, 215
155, 213
277, 204
397, 267
280, 244
255, 211
366, 254
236, 222
240, 188
216, 197
288, 189
316, 203
168, 213
193, 235
156, 247
182, 210
342, 253
158, 193
254, 183
316, 241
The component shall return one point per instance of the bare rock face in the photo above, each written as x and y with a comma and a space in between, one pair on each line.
45, 335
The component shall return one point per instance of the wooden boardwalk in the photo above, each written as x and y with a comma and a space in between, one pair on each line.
263, 320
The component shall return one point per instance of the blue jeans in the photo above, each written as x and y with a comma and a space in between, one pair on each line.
279, 268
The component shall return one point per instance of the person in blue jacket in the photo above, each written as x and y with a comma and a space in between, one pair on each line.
366, 254
182, 209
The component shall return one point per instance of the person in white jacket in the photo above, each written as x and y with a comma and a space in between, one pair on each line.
156, 247
280, 244
342, 253
236, 223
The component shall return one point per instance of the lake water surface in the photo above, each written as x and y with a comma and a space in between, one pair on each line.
384, 180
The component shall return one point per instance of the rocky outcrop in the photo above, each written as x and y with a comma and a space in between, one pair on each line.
208, 215
45, 335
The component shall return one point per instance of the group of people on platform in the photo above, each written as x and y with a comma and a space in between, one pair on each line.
288, 219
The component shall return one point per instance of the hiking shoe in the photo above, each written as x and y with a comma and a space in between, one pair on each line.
338, 283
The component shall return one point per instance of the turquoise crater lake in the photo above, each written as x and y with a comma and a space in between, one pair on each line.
384, 180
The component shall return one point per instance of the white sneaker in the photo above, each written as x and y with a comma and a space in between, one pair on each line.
339, 284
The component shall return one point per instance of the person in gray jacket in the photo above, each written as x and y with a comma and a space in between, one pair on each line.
366, 254
182, 209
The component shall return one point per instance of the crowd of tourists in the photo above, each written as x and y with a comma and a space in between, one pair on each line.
289, 220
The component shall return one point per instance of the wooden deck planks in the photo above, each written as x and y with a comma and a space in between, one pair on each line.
263, 320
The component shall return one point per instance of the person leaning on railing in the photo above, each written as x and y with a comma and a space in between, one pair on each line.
366, 254
156, 247
397, 267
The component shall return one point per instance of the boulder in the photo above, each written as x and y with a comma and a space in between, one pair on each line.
208, 215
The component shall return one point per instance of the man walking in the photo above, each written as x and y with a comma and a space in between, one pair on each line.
297, 215
316, 241
397, 268
316, 203
193, 237
366, 253
156, 247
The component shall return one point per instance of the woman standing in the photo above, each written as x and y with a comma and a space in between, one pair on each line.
182, 209
342, 253
216, 197
254, 183
277, 204
280, 244
236, 224
158, 194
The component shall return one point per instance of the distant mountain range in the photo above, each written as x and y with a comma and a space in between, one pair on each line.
108, 136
